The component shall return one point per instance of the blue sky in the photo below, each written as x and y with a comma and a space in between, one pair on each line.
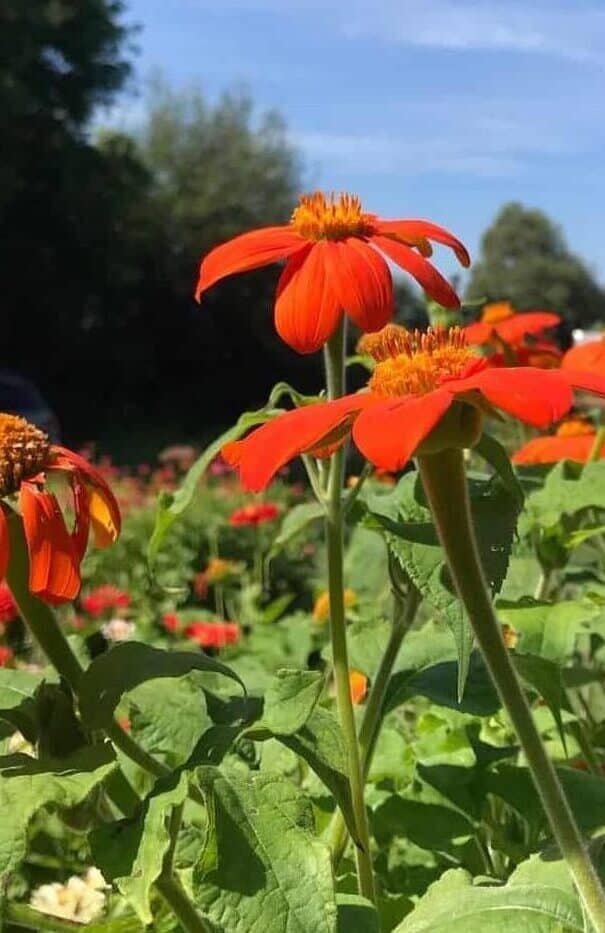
434, 108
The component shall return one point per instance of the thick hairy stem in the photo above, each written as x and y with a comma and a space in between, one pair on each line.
445, 485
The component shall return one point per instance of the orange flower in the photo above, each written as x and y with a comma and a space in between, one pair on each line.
358, 684
573, 440
321, 609
26, 460
332, 267
500, 322
589, 356
257, 513
427, 393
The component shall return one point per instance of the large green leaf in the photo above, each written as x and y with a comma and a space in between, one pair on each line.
495, 454
455, 905
549, 629
428, 825
356, 915
17, 705
439, 683
546, 679
130, 853
27, 785
120, 670
568, 489
264, 869
289, 701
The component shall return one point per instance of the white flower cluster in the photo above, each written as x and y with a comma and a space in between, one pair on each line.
118, 630
80, 900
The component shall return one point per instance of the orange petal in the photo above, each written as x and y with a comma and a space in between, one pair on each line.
362, 282
4, 543
103, 507
535, 396
438, 288
515, 328
53, 566
388, 432
414, 230
588, 356
552, 449
247, 251
268, 448
358, 685
478, 333
307, 310
586, 381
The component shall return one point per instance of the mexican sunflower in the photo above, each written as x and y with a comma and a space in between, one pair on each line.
574, 439
333, 265
428, 392
27, 462
500, 323
589, 356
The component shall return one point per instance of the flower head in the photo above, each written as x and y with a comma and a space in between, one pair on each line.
427, 392
118, 630
105, 598
213, 634
333, 266
27, 459
589, 356
6, 656
8, 607
500, 323
171, 622
573, 440
256, 513
321, 609
80, 900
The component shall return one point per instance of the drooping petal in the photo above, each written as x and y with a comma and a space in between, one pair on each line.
535, 396
361, 281
102, 505
247, 251
389, 431
413, 230
54, 574
425, 274
307, 310
585, 381
555, 448
260, 455
4, 544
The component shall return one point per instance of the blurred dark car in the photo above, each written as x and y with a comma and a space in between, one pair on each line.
19, 396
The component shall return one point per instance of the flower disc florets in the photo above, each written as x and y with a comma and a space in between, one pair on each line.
576, 426
24, 451
318, 217
415, 362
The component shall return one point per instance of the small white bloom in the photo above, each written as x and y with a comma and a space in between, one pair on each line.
118, 630
80, 900
18, 744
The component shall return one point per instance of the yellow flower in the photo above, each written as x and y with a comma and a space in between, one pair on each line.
321, 609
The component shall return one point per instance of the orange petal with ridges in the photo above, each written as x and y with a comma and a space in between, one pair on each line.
434, 284
388, 432
53, 566
412, 230
260, 455
515, 328
553, 449
307, 310
361, 280
247, 251
535, 396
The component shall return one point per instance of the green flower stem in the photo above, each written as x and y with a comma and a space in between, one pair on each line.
43, 625
335, 370
404, 612
597, 446
445, 485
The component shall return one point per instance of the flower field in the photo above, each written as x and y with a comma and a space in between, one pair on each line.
341, 671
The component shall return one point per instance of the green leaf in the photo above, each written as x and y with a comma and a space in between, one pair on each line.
125, 667
27, 785
289, 701
546, 679
454, 905
296, 520
548, 629
17, 704
428, 825
272, 873
439, 683
24, 917
130, 853
568, 489
495, 454
356, 915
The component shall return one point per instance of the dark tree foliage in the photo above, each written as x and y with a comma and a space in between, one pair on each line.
525, 259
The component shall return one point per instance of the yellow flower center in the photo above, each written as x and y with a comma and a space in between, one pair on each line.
412, 362
318, 217
24, 451
575, 427
499, 311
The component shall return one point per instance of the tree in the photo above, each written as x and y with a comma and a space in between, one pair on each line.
525, 259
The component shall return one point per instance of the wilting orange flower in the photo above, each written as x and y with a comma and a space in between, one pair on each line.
427, 392
26, 460
358, 684
500, 322
573, 440
589, 356
256, 513
321, 609
332, 266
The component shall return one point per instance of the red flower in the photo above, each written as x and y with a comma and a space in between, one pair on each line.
427, 392
55, 554
573, 440
500, 322
105, 598
6, 656
254, 514
332, 266
8, 608
213, 634
171, 622
589, 356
